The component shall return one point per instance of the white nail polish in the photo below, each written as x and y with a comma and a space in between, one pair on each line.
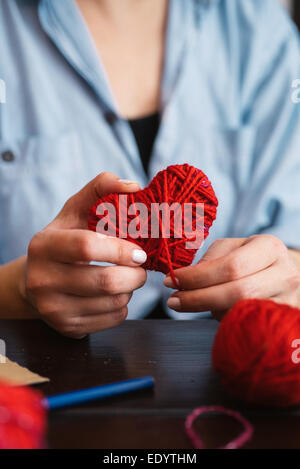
127, 181
139, 256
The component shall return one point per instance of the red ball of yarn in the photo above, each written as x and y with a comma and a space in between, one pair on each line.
255, 353
181, 184
22, 418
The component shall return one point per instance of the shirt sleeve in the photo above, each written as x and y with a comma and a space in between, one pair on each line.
271, 201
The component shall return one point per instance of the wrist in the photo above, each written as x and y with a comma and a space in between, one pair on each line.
14, 303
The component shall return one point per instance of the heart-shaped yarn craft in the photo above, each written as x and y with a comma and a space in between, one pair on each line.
169, 219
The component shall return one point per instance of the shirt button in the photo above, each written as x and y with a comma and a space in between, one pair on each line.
8, 156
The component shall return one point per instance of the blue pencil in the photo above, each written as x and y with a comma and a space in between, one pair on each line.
99, 392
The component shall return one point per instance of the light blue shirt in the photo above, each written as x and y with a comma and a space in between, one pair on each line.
226, 108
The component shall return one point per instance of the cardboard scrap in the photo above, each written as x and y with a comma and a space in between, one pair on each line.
17, 374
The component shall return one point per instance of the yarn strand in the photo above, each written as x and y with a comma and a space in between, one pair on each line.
180, 184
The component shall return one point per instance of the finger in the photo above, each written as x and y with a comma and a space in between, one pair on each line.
217, 250
92, 324
84, 306
79, 327
291, 299
90, 280
264, 284
289, 294
103, 184
87, 246
255, 255
221, 248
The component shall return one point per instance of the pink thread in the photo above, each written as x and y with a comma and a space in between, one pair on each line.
237, 443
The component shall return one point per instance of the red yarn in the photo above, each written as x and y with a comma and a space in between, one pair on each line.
22, 418
179, 183
253, 353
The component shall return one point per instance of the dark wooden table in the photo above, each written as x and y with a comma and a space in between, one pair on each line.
176, 353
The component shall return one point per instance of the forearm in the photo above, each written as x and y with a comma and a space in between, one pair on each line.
13, 304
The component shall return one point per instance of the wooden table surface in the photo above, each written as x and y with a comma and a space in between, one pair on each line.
176, 353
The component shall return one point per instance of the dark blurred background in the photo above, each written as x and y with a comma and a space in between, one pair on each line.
296, 12
294, 7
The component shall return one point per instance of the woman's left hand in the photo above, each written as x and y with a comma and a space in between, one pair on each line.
234, 269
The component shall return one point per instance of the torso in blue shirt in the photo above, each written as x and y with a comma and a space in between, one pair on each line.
225, 107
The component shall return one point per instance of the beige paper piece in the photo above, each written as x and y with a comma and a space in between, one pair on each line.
17, 374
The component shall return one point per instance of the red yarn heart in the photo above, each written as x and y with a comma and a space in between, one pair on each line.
181, 184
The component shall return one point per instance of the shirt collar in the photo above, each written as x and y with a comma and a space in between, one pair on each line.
64, 24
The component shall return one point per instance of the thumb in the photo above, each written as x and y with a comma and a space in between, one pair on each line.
74, 214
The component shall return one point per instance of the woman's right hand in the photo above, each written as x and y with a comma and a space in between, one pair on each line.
70, 295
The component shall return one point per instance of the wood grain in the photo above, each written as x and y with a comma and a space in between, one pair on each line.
176, 353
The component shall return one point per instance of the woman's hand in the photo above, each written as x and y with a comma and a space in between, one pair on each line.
234, 269
70, 295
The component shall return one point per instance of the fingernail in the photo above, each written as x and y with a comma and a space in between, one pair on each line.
169, 282
139, 256
127, 181
174, 303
